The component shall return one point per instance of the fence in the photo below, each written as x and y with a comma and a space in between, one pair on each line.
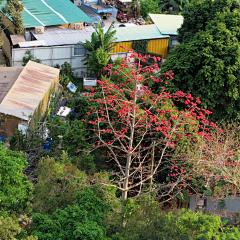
73, 54
228, 208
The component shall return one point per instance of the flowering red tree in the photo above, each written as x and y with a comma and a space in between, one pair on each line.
143, 132
217, 160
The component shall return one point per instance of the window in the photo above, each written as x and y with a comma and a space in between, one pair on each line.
79, 50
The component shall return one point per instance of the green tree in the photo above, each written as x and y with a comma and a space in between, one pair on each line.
15, 189
176, 5
75, 138
149, 6
100, 39
99, 49
10, 229
13, 10
54, 190
197, 15
208, 66
149, 222
82, 221
96, 61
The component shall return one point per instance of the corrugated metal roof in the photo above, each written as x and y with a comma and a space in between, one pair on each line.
28, 90
50, 12
8, 76
138, 32
166, 23
58, 37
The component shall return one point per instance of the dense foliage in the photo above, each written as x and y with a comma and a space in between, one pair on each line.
197, 15
137, 144
149, 6
54, 190
13, 10
150, 223
81, 221
99, 48
15, 189
208, 65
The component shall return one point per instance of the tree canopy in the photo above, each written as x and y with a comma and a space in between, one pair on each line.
197, 15
15, 189
208, 66
13, 10
82, 221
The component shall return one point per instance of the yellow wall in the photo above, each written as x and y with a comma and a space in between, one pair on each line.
158, 46
118, 49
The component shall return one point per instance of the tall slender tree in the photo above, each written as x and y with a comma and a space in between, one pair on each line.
13, 10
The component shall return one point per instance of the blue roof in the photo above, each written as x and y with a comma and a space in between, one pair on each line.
138, 32
50, 12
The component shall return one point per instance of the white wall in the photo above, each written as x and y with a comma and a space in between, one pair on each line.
56, 55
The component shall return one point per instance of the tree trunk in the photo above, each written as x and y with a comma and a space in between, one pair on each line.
129, 157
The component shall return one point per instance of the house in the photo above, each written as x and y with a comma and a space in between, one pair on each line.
24, 95
39, 16
168, 24
158, 43
48, 13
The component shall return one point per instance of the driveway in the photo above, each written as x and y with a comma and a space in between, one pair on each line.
109, 20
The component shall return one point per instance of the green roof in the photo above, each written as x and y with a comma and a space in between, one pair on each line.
167, 23
138, 32
50, 12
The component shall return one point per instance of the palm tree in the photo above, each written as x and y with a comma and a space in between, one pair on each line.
99, 49
101, 40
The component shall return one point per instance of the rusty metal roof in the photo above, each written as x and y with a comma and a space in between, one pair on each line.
28, 90
8, 76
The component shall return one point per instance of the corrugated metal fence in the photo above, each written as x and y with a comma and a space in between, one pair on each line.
158, 46
228, 208
73, 54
